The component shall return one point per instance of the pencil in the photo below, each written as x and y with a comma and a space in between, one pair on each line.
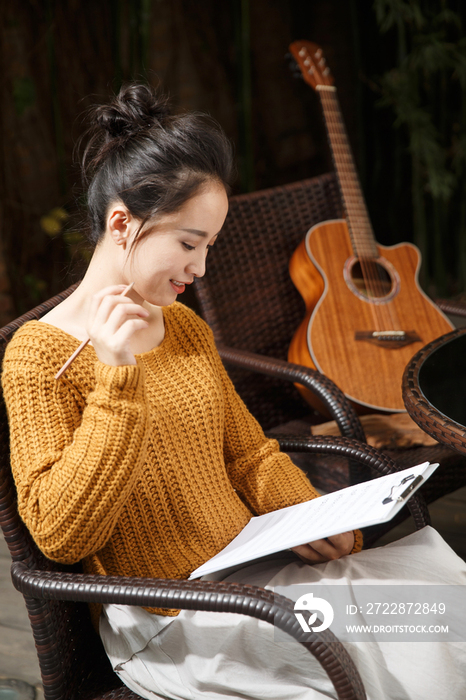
71, 359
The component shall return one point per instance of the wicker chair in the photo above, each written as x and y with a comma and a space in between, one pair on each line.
253, 308
71, 657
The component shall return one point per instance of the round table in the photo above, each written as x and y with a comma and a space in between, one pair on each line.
434, 389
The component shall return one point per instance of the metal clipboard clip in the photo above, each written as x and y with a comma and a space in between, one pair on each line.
417, 480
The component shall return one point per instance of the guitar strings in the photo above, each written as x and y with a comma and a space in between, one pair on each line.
342, 161
356, 217
359, 220
384, 313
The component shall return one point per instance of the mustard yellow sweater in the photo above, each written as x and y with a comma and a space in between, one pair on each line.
145, 470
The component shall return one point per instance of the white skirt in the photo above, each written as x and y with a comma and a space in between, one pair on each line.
227, 655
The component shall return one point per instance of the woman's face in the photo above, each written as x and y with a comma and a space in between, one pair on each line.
175, 251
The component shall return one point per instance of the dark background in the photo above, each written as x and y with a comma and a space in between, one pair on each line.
400, 71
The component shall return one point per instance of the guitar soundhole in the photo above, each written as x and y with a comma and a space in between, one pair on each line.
373, 280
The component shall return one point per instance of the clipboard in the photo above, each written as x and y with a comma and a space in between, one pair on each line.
368, 503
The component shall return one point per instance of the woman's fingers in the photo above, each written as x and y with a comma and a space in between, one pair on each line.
98, 297
344, 542
308, 554
119, 343
113, 320
113, 312
104, 302
326, 549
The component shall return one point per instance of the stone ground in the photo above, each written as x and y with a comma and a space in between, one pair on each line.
18, 659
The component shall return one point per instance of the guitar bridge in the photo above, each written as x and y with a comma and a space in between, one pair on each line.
388, 339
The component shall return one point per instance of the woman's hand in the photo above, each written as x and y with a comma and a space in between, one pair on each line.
327, 549
113, 320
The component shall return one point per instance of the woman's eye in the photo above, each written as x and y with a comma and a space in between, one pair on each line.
187, 246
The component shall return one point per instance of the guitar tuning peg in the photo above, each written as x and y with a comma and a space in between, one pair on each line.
293, 66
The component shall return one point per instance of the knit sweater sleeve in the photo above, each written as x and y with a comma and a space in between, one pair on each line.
75, 460
264, 477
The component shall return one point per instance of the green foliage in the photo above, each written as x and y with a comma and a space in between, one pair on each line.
36, 287
391, 13
425, 90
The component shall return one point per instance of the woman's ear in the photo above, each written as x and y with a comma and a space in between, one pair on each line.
120, 224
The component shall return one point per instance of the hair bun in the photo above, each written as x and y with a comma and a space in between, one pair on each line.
136, 107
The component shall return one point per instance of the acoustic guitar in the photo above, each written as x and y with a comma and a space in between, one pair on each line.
366, 315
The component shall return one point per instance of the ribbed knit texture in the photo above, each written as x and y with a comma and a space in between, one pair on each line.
145, 470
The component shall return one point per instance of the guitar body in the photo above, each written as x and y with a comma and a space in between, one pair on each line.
369, 373
366, 315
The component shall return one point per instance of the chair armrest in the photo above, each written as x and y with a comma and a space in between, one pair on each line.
358, 452
196, 595
331, 396
450, 306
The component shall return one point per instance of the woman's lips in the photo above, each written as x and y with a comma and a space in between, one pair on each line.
179, 287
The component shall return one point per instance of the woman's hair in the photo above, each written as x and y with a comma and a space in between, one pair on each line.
152, 161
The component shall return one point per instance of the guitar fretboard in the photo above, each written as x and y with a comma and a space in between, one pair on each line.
359, 225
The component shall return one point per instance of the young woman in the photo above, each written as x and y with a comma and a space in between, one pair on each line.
141, 460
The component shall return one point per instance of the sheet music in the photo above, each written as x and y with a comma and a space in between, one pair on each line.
348, 509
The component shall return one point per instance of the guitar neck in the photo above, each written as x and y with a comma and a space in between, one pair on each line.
359, 225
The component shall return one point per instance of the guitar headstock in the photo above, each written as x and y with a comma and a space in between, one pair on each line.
311, 61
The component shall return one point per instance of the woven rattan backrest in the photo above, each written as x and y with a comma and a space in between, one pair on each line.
67, 645
247, 296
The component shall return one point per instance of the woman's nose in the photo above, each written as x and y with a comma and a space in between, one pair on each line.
197, 267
